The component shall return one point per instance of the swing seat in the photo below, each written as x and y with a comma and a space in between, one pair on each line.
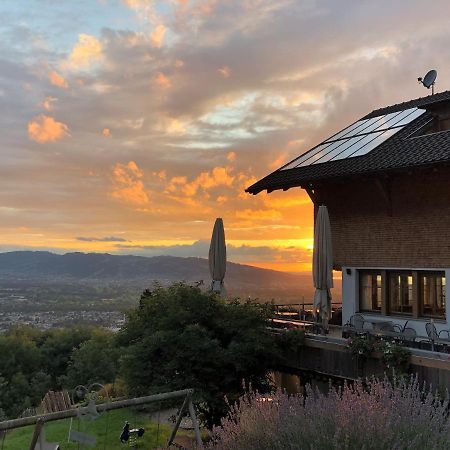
47, 446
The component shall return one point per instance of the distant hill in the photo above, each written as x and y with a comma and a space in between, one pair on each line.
240, 279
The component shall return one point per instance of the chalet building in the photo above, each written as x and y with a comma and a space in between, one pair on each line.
386, 182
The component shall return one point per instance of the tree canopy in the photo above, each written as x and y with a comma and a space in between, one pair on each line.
33, 362
180, 337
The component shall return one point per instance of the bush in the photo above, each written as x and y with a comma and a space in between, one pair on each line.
375, 415
394, 357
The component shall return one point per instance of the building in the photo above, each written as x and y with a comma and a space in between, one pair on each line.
386, 182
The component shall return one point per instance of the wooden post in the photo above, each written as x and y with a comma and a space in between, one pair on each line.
195, 423
417, 300
177, 423
384, 293
37, 433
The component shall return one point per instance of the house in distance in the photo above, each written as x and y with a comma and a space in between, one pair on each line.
385, 180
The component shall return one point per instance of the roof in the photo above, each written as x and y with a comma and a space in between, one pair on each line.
400, 151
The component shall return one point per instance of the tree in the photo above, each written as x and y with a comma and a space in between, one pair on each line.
180, 337
32, 362
96, 360
57, 347
20, 359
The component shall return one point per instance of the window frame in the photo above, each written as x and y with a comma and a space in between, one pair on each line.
437, 273
409, 291
414, 285
375, 273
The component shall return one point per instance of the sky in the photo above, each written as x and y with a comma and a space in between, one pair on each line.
128, 126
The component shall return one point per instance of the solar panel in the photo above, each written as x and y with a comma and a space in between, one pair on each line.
357, 139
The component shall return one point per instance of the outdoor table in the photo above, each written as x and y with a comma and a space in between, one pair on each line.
378, 324
392, 334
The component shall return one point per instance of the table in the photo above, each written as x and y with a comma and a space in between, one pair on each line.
378, 324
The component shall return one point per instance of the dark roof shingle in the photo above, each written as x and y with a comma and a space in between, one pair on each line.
398, 152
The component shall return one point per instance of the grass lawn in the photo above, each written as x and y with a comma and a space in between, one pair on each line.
106, 429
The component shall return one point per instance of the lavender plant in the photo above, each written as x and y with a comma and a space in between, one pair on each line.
371, 415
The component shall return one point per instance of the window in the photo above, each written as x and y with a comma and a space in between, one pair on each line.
432, 294
370, 291
400, 292
415, 293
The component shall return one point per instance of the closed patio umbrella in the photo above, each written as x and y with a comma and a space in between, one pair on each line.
217, 256
322, 266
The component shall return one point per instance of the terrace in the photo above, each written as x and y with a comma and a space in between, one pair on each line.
329, 355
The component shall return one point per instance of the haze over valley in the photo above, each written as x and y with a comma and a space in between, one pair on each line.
46, 289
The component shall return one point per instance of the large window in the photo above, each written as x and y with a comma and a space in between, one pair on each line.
432, 294
400, 292
416, 293
370, 290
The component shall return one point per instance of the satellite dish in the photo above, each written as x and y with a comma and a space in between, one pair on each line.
429, 79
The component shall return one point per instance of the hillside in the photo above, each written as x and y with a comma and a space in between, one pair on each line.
243, 280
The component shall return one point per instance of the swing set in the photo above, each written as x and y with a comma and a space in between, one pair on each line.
92, 410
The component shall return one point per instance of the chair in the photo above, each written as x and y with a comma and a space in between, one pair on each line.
389, 327
433, 333
357, 322
409, 334
390, 330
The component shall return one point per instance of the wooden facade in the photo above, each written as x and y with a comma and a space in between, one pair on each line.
396, 221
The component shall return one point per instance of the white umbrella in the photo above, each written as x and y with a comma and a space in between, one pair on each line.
322, 265
217, 256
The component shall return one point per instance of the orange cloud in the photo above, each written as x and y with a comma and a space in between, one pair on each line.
46, 129
57, 80
106, 132
87, 50
171, 125
157, 36
145, 9
279, 161
261, 214
132, 3
162, 174
206, 7
128, 184
162, 80
219, 176
225, 71
231, 156
47, 104
175, 182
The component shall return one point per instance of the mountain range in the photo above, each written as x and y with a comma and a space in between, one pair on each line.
241, 280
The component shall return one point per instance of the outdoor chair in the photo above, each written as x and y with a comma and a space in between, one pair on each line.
354, 325
390, 330
357, 322
409, 334
434, 335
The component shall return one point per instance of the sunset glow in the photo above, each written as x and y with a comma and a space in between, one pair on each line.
129, 126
